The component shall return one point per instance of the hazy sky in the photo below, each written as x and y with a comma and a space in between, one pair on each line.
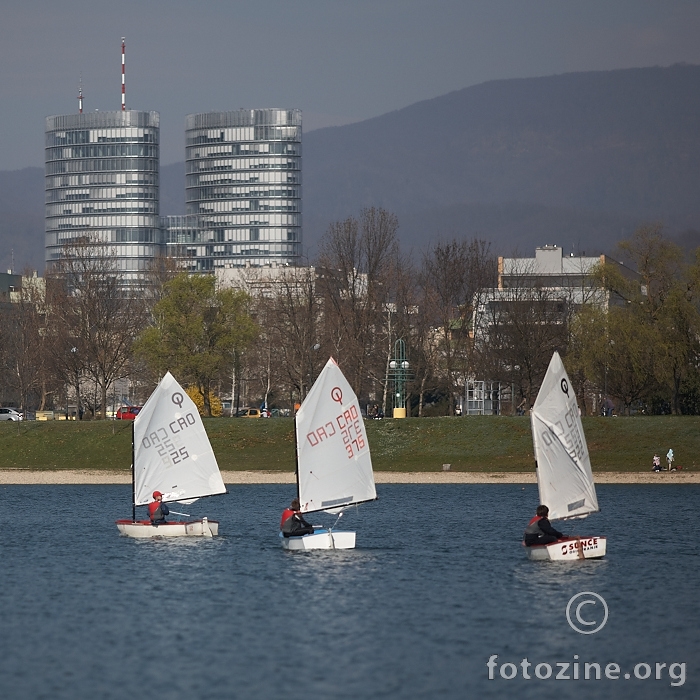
337, 60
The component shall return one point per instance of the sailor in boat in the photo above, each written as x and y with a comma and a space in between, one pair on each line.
158, 510
293, 523
539, 530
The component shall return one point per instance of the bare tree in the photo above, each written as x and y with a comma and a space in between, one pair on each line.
452, 278
357, 259
286, 357
296, 319
97, 316
522, 324
23, 341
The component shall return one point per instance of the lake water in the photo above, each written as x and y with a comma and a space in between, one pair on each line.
437, 585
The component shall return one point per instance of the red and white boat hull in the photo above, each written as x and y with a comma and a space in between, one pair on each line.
569, 549
320, 539
142, 529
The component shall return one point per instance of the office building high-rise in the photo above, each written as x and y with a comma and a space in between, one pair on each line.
244, 185
102, 173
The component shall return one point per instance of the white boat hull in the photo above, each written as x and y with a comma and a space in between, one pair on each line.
569, 549
142, 529
321, 539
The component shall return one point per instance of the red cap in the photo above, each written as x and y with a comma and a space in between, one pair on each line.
156, 494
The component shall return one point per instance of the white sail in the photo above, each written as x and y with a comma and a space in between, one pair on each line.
334, 463
564, 474
172, 453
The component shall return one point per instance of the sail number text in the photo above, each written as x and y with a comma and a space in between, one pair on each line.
348, 425
159, 439
570, 436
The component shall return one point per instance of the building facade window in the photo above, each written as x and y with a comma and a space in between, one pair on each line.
102, 187
244, 185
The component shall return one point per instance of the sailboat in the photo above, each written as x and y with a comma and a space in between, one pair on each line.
171, 453
564, 475
334, 466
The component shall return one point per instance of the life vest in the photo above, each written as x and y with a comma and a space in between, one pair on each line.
156, 512
286, 514
533, 528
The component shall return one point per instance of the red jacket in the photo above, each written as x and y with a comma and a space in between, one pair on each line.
154, 513
288, 513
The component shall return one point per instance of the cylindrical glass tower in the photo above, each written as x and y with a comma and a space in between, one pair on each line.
102, 187
244, 182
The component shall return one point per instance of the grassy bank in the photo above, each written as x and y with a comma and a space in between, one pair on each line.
469, 444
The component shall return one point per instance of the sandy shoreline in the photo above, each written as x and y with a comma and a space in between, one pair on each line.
26, 476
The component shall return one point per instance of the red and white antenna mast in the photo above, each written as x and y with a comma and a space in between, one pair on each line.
80, 96
123, 76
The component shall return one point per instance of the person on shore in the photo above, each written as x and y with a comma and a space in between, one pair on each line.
656, 464
539, 530
158, 510
669, 459
293, 523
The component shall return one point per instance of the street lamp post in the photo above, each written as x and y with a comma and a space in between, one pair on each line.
74, 355
398, 370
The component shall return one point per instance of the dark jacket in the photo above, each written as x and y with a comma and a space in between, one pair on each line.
547, 528
294, 523
538, 527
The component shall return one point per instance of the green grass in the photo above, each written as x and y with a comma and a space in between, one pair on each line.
477, 443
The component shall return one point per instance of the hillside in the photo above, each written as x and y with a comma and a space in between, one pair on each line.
22, 219
579, 159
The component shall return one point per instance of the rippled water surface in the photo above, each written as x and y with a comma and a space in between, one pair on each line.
438, 583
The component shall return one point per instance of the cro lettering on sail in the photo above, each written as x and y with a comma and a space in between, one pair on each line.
567, 432
347, 426
169, 444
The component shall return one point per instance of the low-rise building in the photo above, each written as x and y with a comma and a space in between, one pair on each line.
558, 283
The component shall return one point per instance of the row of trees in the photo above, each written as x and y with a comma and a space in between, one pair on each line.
645, 351
629, 339
633, 339
68, 342
360, 297
74, 331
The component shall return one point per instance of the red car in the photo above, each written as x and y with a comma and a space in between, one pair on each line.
128, 412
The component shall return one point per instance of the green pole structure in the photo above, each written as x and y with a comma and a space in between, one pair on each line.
398, 371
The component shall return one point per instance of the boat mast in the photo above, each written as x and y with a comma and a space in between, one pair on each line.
296, 458
133, 479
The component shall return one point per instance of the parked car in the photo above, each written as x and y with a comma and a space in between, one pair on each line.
128, 412
10, 414
248, 413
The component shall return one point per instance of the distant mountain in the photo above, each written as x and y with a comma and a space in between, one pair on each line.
579, 159
22, 219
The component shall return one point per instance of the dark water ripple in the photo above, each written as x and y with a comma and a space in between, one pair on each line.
437, 584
